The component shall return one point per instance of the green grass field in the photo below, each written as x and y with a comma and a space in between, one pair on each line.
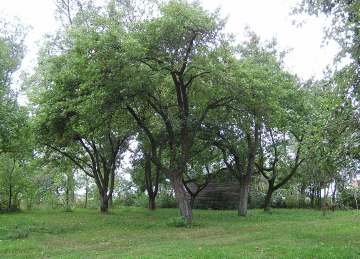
138, 233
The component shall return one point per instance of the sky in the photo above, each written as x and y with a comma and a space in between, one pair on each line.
268, 18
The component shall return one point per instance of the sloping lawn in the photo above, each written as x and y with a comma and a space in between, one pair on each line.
139, 233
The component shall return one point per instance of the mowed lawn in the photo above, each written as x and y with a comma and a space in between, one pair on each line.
139, 233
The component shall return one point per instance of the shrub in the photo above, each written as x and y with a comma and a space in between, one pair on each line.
346, 198
278, 200
141, 200
256, 199
291, 201
127, 199
166, 200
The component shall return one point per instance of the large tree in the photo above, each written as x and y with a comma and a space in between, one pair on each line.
75, 112
182, 57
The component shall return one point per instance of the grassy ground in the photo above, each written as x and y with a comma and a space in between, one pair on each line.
138, 233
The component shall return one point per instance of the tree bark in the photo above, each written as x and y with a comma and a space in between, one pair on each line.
192, 201
152, 202
86, 191
67, 198
104, 202
302, 203
268, 198
319, 201
245, 180
312, 197
333, 205
10, 196
244, 195
182, 197
10, 185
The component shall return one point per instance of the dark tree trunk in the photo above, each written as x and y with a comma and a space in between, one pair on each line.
268, 198
192, 201
302, 196
319, 201
312, 197
244, 195
104, 202
10, 196
152, 202
10, 186
67, 198
182, 197
151, 186
111, 200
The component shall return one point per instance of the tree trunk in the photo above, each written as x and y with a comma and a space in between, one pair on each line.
104, 203
86, 191
152, 202
67, 198
182, 197
267, 203
10, 196
244, 194
111, 200
192, 201
302, 203
319, 201
333, 205
312, 197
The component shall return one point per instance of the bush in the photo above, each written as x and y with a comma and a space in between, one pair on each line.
166, 200
127, 199
141, 200
292, 201
346, 198
278, 200
256, 199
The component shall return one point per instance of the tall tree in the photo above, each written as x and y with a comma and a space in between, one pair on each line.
74, 110
184, 52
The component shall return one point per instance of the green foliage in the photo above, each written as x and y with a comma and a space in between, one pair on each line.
256, 199
166, 200
347, 199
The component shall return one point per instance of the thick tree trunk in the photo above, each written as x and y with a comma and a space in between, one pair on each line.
104, 203
182, 197
245, 180
152, 202
268, 198
244, 195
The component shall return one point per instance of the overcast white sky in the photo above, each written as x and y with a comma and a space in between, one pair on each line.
268, 18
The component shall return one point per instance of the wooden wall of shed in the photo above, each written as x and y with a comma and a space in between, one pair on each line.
218, 196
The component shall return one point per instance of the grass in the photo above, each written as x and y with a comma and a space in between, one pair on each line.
138, 233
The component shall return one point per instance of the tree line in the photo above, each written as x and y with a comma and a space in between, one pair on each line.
165, 83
